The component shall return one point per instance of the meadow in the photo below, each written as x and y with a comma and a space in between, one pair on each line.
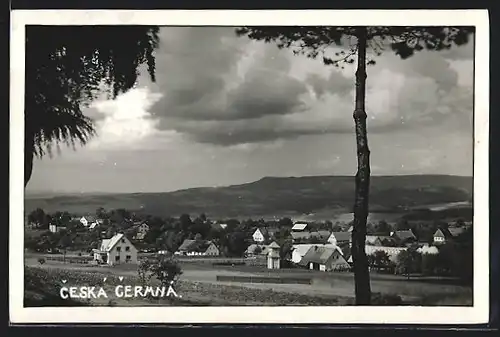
199, 285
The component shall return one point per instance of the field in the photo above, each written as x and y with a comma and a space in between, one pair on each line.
198, 285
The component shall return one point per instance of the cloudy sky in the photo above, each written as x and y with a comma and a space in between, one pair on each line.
226, 110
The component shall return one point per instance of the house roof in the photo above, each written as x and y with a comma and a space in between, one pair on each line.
342, 236
299, 226
372, 239
404, 234
195, 246
186, 244
274, 245
319, 254
302, 249
267, 231
89, 218
108, 244
93, 225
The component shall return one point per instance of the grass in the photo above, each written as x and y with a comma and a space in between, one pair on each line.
201, 288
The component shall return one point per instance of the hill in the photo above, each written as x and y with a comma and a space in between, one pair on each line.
275, 196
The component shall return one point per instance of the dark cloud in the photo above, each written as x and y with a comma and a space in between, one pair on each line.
224, 90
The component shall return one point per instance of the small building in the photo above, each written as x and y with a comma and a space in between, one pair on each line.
116, 250
142, 230
87, 220
54, 228
260, 235
273, 256
392, 252
198, 248
263, 234
442, 235
299, 227
324, 259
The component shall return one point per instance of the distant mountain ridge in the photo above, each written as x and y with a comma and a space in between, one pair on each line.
274, 196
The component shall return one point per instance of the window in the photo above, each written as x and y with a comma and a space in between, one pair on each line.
118, 249
127, 249
117, 258
123, 240
128, 258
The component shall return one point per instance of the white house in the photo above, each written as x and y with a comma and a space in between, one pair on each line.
142, 230
117, 250
325, 259
259, 235
446, 234
54, 228
87, 220
392, 252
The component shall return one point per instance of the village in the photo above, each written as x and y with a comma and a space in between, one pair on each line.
275, 244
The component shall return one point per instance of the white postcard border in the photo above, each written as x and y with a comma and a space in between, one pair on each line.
285, 315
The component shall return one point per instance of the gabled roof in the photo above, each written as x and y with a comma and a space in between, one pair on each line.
342, 236
299, 226
108, 244
89, 218
274, 245
319, 254
404, 234
302, 249
372, 239
93, 225
195, 246
186, 245
442, 233
267, 231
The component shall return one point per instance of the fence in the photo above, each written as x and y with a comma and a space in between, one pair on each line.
263, 279
68, 259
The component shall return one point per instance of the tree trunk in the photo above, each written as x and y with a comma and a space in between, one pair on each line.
360, 260
29, 147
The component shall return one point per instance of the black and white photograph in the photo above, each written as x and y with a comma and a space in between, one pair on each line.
262, 165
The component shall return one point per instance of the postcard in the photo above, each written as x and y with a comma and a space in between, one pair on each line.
224, 166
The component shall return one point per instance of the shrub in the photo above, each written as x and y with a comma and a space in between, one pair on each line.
386, 299
41, 260
165, 269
